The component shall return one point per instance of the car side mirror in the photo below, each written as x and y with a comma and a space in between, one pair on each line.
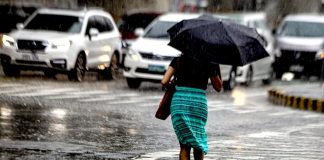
139, 32
93, 32
19, 26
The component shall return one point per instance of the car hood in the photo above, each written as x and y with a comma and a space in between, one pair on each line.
154, 46
301, 44
40, 35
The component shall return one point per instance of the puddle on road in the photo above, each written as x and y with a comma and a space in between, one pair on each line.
109, 132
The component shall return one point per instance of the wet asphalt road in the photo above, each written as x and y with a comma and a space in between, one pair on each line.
42, 118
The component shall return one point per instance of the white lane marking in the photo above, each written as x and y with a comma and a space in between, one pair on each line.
145, 104
106, 97
67, 97
266, 134
256, 94
221, 105
97, 99
282, 113
25, 89
312, 116
10, 85
213, 102
171, 153
44, 92
92, 92
126, 101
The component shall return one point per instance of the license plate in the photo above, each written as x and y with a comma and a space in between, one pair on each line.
30, 57
296, 68
156, 68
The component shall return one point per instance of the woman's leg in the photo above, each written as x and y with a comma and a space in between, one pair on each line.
198, 154
184, 152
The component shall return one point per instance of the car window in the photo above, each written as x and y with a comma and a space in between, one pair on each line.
91, 24
302, 29
260, 24
159, 29
60, 23
108, 26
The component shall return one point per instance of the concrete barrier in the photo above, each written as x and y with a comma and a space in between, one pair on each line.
298, 102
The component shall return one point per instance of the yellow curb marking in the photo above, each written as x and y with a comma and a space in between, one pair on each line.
319, 106
310, 104
301, 103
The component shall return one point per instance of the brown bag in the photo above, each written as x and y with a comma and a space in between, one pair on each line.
163, 111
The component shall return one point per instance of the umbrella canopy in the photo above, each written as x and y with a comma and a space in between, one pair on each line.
217, 41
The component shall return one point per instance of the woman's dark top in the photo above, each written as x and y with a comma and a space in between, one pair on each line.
194, 74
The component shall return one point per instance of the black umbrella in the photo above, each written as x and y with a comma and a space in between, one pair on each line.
217, 41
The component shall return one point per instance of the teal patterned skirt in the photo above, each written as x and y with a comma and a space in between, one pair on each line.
189, 116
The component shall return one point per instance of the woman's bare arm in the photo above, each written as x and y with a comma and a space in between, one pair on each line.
217, 83
167, 76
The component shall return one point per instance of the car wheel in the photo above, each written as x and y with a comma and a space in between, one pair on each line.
113, 71
78, 72
231, 83
249, 77
133, 83
8, 69
270, 78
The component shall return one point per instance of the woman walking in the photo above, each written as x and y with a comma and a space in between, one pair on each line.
189, 104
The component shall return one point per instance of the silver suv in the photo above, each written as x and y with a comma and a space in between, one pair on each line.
299, 45
68, 41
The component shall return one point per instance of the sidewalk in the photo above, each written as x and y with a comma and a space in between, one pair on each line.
305, 97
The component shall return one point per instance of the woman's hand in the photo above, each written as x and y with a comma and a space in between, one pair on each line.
217, 83
167, 76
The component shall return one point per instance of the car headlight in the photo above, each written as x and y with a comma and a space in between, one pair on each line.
61, 44
7, 41
134, 55
319, 55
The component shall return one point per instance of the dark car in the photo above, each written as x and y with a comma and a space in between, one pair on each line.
130, 22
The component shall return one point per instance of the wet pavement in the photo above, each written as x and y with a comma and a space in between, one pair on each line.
57, 119
313, 91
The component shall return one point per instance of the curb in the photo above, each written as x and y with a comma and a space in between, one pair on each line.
297, 102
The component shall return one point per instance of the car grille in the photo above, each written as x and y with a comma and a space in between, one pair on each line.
31, 45
298, 56
144, 70
31, 62
151, 56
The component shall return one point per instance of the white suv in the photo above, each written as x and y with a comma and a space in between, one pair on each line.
149, 56
67, 41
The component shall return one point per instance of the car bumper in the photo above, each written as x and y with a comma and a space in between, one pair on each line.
241, 74
145, 69
39, 59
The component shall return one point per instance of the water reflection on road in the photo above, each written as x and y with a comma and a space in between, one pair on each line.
111, 131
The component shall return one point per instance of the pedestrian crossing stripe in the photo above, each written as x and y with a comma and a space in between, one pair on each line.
113, 97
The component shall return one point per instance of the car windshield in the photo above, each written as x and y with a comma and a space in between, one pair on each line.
302, 29
59, 23
159, 30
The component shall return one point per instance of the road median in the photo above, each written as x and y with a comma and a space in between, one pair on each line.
281, 97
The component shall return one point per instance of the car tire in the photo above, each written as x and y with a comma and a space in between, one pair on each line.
78, 72
8, 69
231, 83
133, 83
112, 72
270, 78
249, 77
